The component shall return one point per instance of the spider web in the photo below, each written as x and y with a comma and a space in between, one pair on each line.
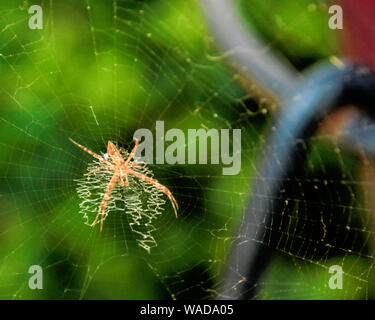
98, 71
141, 201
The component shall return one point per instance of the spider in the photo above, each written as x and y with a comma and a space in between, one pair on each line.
121, 169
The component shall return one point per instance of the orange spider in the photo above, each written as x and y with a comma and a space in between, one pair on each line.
121, 169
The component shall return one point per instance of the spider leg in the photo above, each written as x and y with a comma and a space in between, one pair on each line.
97, 169
136, 165
90, 152
131, 155
157, 185
103, 204
114, 153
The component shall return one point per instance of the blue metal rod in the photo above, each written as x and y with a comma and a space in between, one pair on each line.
324, 90
269, 70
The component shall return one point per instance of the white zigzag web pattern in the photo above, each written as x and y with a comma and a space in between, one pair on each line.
140, 201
